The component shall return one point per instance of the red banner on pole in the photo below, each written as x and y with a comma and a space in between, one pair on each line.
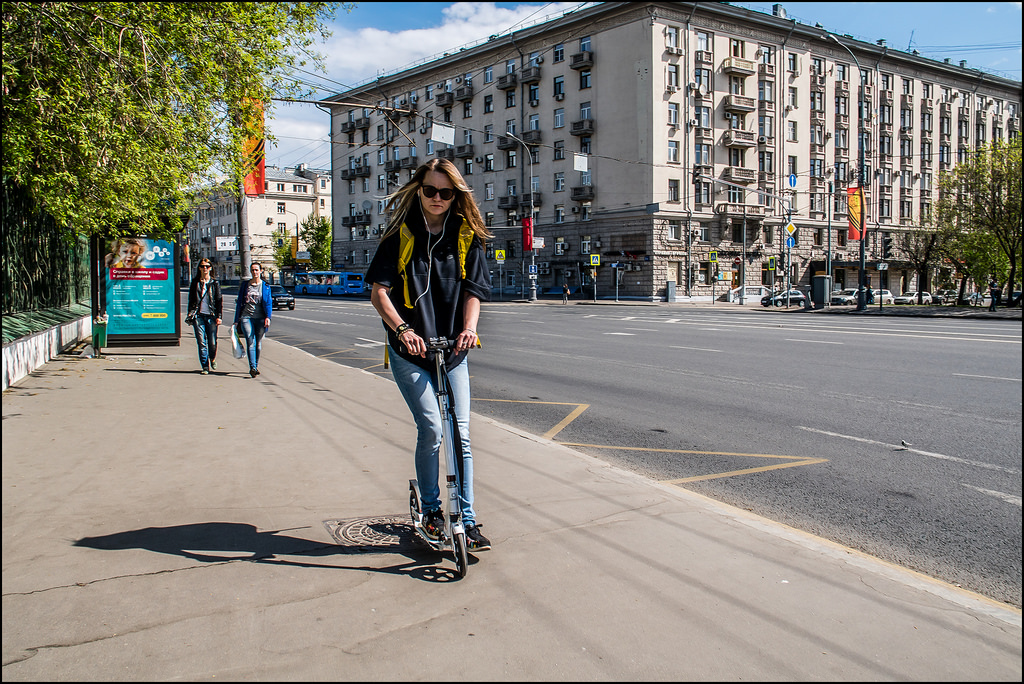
854, 204
255, 159
527, 233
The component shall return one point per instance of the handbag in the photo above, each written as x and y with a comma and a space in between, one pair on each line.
190, 319
237, 350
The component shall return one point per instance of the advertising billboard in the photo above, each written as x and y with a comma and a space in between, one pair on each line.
141, 297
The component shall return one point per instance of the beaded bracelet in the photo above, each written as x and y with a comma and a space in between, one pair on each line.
401, 329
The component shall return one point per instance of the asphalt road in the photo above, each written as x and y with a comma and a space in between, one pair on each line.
898, 437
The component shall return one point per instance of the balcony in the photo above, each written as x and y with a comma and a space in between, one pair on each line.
363, 123
392, 165
738, 138
508, 202
842, 88
530, 75
507, 143
766, 176
582, 127
945, 108
738, 174
447, 153
357, 220
704, 133
507, 82
582, 192
464, 151
926, 104
817, 150
906, 133
964, 114
445, 99
766, 70
535, 197
729, 209
464, 93
582, 60
818, 83
348, 126
704, 57
532, 137
740, 103
737, 65
765, 106
885, 96
410, 162
907, 100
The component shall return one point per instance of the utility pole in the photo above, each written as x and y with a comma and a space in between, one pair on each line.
533, 252
861, 293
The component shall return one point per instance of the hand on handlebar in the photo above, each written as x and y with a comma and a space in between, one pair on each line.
466, 340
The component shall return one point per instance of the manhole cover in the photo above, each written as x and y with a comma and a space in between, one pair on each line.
385, 534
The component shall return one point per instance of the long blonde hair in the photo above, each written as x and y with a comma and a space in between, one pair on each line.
464, 204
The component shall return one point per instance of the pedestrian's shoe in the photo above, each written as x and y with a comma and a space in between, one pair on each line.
433, 524
253, 372
213, 365
204, 372
477, 541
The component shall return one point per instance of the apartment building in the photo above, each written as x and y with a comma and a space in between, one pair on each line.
683, 147
290, 196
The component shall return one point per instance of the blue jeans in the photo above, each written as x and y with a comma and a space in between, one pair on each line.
253, 330
417, 387
205, 329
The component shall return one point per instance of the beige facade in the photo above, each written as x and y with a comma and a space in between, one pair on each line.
290, 196
621, 106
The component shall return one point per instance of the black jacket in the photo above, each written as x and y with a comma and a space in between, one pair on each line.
216, 299
438, 309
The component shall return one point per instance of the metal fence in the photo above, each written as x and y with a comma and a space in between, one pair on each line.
44, 267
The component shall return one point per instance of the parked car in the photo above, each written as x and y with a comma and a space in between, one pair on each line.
979, 299
796, 298
885, 295
282, 298
750, 293
845, 297
912, 298
944, 297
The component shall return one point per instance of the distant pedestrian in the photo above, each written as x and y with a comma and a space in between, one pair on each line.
996, 293
429, 275
565, 293
252, 315
205, 305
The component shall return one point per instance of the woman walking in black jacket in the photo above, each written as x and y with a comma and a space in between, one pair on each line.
205, 304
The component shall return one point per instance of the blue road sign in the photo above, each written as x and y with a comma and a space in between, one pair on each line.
792, 180
790, 241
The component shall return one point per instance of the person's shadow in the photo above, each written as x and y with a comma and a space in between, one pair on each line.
223, 542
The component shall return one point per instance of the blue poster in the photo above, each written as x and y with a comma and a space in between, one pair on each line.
141, 287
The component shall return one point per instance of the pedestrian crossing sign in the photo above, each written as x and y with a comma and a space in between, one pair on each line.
595, 259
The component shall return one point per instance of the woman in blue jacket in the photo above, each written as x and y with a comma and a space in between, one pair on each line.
252, 315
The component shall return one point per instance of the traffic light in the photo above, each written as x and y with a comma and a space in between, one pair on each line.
887, 248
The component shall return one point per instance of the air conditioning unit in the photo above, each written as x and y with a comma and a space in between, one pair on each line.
423, 129
534, 103
672, 88
560, 96
458, 79
762, 139
270, 221
479, 160
693, 85
575, 210
539, 60
693, 122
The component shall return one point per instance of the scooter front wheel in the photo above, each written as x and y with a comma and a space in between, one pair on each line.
460, 553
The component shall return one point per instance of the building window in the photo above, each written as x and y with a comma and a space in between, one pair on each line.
558, 53
489, 162
673, 76
702, 154
559, 149
675, 229
280, 208
702, 193
673, 190
585, 79
488, 104
673, 152
559, 118
560, 181
488, 191
704, 41
673, 113
791, 131
488, 74
510, 99
559, 86
510, 159
703, 116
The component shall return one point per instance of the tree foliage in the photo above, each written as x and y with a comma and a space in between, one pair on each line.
979, 213
282, 244
315, 234
112, 110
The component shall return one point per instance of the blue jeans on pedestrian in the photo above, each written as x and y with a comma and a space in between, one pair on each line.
418, 389
253, 331
205, 328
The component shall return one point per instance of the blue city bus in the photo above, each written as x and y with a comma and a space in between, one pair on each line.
328, 283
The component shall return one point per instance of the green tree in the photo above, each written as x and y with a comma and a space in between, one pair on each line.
979, 214
315, 234
112, 110
282, 243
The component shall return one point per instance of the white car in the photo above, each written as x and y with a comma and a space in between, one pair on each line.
911, 298
845, 297
885, 296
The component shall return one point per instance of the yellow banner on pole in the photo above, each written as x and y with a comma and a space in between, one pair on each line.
854, 202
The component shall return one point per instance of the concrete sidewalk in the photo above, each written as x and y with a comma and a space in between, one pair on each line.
159, 524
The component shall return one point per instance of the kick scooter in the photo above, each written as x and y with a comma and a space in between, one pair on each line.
453, 536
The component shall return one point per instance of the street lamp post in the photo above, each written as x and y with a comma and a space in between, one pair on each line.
533, 252
861, 293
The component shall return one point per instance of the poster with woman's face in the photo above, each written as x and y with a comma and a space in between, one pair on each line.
140, 286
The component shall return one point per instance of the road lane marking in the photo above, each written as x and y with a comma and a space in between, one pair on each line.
790, 339
1008, 498
900, 447
986, 377
368, 343
620, 333
716, 351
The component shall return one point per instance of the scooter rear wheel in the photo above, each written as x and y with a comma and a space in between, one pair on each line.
460, 553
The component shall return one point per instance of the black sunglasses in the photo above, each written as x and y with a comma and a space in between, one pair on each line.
446, 193
204, 265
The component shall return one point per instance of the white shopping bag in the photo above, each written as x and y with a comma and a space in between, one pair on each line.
237, 350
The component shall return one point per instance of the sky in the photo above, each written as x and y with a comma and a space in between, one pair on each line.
384, 37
